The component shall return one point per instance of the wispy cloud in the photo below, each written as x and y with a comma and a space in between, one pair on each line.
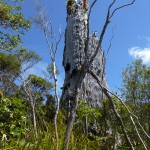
142, 53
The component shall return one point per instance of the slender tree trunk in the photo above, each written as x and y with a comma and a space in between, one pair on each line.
86, 126
57, 101
71, 121
28, 93
69, 127
72, 116
34, 118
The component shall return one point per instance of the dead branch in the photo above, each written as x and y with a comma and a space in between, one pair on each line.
110, 43
106, 92
145, 147
114, 109
121, 8
129, 112
85, 70
107, 21
88, 30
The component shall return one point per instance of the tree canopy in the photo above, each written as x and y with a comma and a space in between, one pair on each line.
12, 23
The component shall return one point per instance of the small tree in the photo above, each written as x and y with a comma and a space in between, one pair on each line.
40, 90
136, 90
45, 24
28, 59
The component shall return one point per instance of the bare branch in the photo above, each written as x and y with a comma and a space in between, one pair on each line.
114, 109
58, 41
110, 44
138, 133
104, 89
130, 113
121, 8
88, 30
49, 45
107, 21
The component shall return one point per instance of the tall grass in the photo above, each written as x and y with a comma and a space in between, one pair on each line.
46, 140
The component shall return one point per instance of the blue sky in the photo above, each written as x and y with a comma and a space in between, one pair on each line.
131, 35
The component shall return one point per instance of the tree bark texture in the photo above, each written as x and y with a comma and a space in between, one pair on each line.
74, 58
77, 80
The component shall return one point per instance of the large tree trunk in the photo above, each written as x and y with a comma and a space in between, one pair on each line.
74, 59
82, 53
77, 80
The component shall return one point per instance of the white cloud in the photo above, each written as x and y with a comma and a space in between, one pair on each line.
143, 53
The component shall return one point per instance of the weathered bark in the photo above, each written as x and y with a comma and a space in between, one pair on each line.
75, 75
74, 59
82, 53
73, 110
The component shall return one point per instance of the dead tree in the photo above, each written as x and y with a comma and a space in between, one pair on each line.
44, 22
77, 69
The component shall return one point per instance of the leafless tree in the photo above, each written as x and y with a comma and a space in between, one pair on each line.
85, 69
44, 22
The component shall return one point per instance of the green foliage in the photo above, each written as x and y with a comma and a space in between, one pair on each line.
12, 118
46, 139
28, 58
9, 71
136, 88
136, 92
11, 18
136, 83
39, 83
104, 131
9, 62
49, 108
39, 87
87, 111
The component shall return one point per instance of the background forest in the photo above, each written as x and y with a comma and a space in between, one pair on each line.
30, 117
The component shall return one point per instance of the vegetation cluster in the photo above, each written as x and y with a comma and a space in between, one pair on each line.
28, 105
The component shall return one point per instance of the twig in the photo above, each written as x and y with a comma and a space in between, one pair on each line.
121, 8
